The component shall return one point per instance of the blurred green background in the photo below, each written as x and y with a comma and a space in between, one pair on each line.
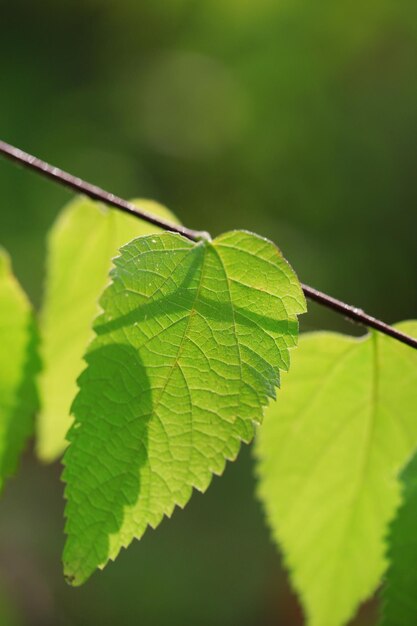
296, 120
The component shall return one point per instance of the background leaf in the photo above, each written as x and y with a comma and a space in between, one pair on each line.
399, 599
188, 351
329, 455
19, 365
81, 245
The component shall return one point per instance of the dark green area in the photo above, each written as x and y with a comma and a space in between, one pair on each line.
297, 120
399, 598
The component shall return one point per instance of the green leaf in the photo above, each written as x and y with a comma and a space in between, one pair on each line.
81, 245
19, 365
188, 351
329, 455
399, 597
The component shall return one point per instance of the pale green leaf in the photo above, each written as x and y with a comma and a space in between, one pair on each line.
329, 455
188, 351
399, 595
19, 365
81, 245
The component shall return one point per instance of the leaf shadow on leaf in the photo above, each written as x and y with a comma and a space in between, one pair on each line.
101, 438
186, 298
210, 309
21, 420
189, 298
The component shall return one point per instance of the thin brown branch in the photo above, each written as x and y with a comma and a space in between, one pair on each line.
92, 191
96, 193
359, 316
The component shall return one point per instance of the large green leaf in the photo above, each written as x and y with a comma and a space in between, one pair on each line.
399, 596
81, 245
188, 351
19, 365
329, 455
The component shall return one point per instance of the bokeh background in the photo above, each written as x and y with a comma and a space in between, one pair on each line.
297, 120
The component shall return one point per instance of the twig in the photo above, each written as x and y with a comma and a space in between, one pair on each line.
359, 316
96, 193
